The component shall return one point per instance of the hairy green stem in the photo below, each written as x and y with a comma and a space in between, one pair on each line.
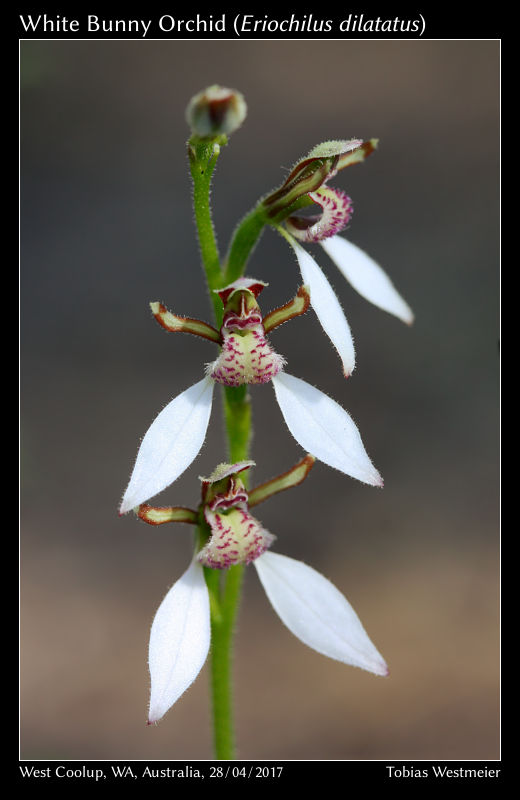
221, 680
224, 586
249, 230
203, 155
243, 241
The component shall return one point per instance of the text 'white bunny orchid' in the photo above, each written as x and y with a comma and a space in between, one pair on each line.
319, 424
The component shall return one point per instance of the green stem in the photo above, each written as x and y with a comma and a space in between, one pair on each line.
248, 232
224, 586
237, 415
203, 155
244, 239
221, 681
225, 590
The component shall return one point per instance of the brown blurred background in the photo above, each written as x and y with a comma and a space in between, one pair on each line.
107, 227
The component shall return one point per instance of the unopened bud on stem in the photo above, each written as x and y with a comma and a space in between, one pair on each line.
216, 111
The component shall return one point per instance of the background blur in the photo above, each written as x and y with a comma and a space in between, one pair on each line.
107, 227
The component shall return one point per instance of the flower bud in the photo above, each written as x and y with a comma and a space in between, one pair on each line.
216, 111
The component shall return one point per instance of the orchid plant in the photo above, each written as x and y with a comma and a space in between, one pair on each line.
198, 613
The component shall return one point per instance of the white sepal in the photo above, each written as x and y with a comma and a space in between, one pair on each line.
367, 277
323, 428
327, 307
316, 612
170, 444
179, 640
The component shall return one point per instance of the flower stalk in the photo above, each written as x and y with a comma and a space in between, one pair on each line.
224, 587
203, 156
221, 656
198, 614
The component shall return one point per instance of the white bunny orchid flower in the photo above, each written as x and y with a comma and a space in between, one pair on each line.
361, 271
307, 184
318, 423
306, 602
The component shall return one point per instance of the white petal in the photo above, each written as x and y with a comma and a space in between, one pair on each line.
323, 428
367, 277
170, 444
179, 640
316, 612
327, 307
